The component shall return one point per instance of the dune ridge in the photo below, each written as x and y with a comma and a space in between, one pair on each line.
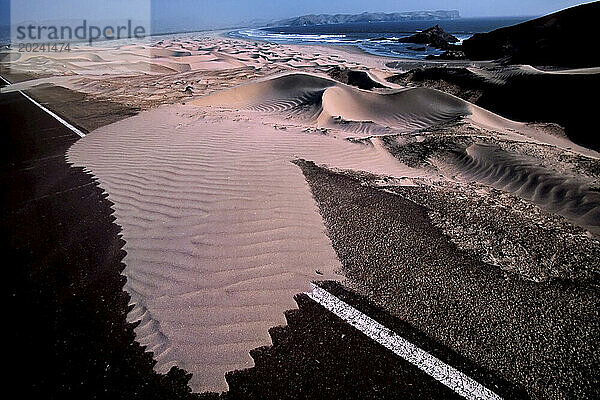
328, 103
564, 195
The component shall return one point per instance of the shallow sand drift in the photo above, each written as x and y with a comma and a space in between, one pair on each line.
220, 226
557, 193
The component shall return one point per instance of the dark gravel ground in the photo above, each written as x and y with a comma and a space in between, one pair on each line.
75, 106
541, 336
319, 356
78, 108
508, 232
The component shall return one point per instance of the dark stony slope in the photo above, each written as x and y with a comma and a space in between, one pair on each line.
567, 100
567, 38
360, 79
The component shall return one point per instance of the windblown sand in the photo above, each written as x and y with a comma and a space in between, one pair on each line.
220, 226
159, 72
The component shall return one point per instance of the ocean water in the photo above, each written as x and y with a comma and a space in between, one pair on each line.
361, 35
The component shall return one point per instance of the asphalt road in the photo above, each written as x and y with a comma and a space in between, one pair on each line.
541, 335
67, 335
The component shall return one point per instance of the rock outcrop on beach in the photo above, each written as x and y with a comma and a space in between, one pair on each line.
327, 19
434, 37
453, 53
566, 38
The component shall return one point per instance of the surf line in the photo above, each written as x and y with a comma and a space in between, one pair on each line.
53, 115
432, 366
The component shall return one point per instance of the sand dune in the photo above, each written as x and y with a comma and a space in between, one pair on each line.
333, 104
564, 195
220, 226
204, 62
405, 110
330, 104
275, 95
522, 93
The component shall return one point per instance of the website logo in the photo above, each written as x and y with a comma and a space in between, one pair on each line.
46, 33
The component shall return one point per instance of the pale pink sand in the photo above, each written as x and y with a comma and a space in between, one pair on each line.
158, 72
221, 228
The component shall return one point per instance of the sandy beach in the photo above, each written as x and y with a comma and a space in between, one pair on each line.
223, 224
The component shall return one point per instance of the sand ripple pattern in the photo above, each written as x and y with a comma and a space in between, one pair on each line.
553, 192
328, 103
305, 106
220, 227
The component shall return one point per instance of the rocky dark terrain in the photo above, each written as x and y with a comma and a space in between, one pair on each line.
434, 37
360, 79
526, 97
566, 38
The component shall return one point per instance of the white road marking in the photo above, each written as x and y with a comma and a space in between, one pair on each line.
444, 373
53, 115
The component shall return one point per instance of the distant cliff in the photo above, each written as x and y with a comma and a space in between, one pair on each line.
568, 38
326, 19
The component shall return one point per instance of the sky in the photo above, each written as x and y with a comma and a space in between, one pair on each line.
213, 13
236, 10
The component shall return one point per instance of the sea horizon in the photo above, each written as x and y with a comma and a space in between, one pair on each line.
359, 35
377, 38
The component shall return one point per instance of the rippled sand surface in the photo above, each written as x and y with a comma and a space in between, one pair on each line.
221, 228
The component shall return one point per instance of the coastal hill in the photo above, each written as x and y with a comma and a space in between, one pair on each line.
567, 38
326, 19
